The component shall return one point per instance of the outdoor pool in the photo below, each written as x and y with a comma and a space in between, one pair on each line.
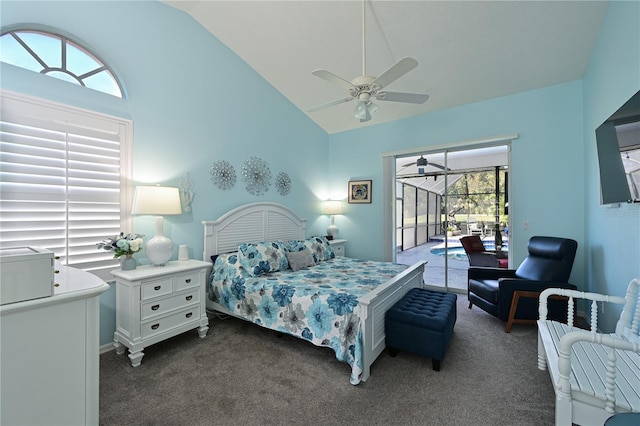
456, 252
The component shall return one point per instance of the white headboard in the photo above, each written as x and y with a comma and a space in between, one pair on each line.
251, 223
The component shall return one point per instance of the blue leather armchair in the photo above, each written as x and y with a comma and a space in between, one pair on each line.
548, 265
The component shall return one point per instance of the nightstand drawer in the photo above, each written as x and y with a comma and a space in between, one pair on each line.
338, 247
156, 326
183, 281
159, 307
156, 288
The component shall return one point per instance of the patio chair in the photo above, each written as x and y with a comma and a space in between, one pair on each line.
473, 228
478, 255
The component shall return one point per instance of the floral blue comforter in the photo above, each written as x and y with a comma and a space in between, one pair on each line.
319, 303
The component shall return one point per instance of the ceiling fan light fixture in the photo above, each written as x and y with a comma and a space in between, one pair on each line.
421, 162
373, 108
365, 109
361, 110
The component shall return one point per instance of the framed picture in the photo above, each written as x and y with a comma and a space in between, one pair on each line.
359, 192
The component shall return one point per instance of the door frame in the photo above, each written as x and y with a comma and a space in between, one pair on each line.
389, 182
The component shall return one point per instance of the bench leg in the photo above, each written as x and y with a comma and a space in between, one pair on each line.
564, 414
436, 364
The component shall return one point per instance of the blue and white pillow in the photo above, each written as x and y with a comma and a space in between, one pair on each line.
318, 246
227, 267
264, 257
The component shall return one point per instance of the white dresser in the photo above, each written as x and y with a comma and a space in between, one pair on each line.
50, 354
154, 303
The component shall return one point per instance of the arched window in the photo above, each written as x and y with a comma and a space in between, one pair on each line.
57, 56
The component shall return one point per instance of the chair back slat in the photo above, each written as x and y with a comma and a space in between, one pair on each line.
629, 323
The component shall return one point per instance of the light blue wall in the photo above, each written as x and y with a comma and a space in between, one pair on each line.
192, 102
613, 76
547, 163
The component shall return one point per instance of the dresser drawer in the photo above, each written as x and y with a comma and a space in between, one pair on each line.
162, 306
188, 280
155, 326
156, 288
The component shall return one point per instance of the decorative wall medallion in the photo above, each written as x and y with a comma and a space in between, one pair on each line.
256, 175
186, 193
283, 183
223, 175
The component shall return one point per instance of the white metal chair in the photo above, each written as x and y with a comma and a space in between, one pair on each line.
474, 229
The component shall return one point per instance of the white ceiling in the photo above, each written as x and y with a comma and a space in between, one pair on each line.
468, 51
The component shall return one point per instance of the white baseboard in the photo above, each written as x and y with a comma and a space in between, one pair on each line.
106, 348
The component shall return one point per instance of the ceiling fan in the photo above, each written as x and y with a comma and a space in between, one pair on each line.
365, 88
422, 162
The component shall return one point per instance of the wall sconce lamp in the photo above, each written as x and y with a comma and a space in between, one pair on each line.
157, 200
332, 207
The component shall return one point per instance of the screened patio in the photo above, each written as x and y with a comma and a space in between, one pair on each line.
454, 194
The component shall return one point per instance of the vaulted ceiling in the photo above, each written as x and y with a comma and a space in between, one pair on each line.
468, 51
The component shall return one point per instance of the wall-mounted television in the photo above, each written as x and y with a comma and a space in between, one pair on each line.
618, 144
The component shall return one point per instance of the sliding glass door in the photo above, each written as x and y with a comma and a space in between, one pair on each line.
442, 197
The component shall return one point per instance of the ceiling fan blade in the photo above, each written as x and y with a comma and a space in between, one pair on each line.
332, 78
440, 166
396, 71
329, 104
412, 98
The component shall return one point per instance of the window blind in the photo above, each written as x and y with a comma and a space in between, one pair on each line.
63, 185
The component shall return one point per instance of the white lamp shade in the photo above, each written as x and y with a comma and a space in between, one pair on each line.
156, 200
332, 207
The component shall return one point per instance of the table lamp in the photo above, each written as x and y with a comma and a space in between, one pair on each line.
157, 200
332, 207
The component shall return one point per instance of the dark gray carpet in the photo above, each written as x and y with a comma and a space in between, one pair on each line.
242, 374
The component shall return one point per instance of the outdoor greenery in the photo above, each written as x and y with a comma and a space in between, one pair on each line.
472, 198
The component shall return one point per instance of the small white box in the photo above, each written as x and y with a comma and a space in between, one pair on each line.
25, 273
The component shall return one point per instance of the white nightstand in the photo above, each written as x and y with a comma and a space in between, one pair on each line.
154, 303
338, 247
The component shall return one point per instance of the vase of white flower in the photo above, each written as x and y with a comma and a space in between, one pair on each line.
123, 247
127, 263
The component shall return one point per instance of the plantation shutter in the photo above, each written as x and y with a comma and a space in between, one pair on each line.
64, 173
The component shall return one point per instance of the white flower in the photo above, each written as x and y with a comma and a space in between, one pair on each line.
135, 245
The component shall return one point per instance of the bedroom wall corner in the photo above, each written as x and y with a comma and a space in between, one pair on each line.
611, 78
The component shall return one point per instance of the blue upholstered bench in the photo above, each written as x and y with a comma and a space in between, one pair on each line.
422, 323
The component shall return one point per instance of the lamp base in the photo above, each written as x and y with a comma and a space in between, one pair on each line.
159, 249
332, 231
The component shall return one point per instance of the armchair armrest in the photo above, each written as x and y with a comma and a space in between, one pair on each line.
483, 258
508, 284
490, 273
527, 308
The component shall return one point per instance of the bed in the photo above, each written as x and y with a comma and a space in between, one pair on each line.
329, 301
